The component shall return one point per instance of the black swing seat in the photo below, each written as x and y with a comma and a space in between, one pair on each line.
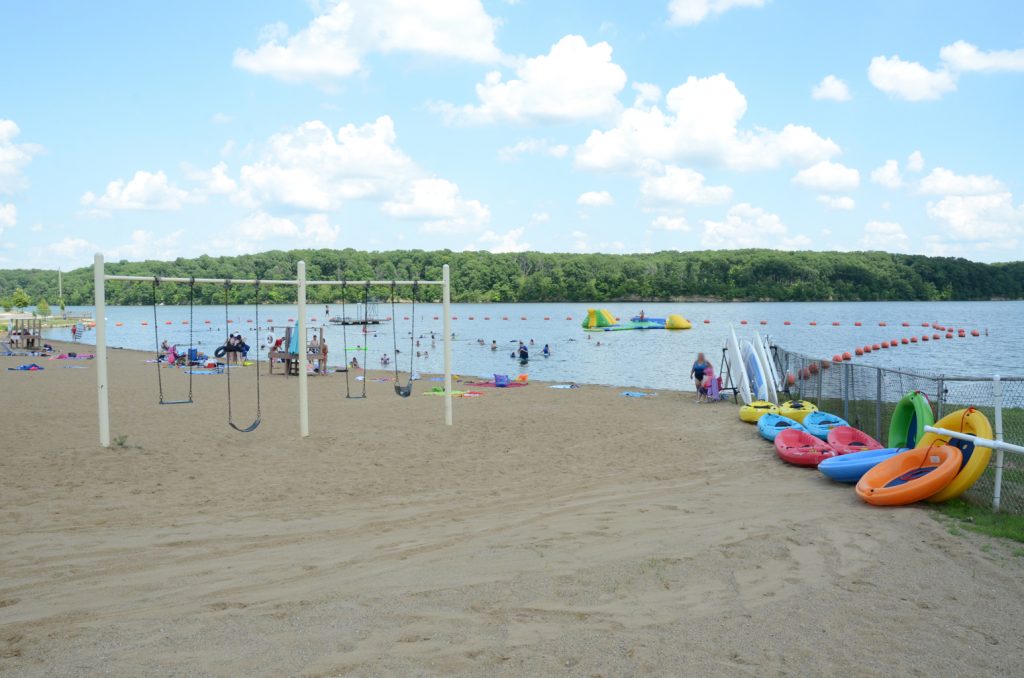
176, 402
248, 429
404, 391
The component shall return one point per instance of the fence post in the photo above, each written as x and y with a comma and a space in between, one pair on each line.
878, 404
938, 399
997, 401
846, 390
820, 377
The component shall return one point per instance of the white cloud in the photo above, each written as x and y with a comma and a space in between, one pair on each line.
665, 222
317, 230
692, 12
964, 57
147, 245
510, 241
828, 176
536, 146
909, 80
942, 181
259, 230
831, 88
886, 236
573, 81
334, 45
683, 186
581, 241
214, 181
73, 249
437, 202
144, 191
540, 218
979, 217
220, 118
837, 202
595, 199
888, 175
14, 157
700, 123
748, 226
8, 215
315, 169
915, 162
646, 94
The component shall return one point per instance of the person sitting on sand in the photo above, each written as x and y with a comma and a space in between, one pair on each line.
354, 363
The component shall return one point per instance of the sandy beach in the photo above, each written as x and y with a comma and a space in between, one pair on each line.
548, 532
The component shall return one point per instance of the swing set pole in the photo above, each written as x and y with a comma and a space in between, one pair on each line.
446, 298
102, 397
301, 357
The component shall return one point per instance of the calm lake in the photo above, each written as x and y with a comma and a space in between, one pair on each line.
652, 359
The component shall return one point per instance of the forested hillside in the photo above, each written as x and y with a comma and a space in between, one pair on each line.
536, 276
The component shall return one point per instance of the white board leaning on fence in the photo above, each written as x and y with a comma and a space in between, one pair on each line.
771, 385
736, 369
755, 371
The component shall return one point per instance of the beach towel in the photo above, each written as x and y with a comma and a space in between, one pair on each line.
491, 384
637, 394
73, 367
564, 386
26, 368
204, 371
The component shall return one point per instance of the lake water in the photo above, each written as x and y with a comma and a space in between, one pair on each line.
651, 359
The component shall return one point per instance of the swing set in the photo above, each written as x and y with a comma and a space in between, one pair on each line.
100, 277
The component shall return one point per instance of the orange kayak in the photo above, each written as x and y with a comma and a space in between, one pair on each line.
910, 476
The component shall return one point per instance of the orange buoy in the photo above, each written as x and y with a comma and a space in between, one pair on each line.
470, 317
545, 317
813, 323
250, 320
924, 325
881, 323
568, 317
961, 333
523, 317
813, 368
787, 323
846, 355
837, 358
924, 337
743, 322
867, 348
764, 322
144, 322
904, 340
184, 322
313, 319
207, 322
617, 319
487, 317
118, 324
825, 364
975, 333
435, 318
405, 317
835, 323
876, 347
936, 337
885, 344
857, 324
913, 340
949, 335
805, 373
790, 379
706, 321
906, 324
504, 317
858, 351
455, 317
270, 320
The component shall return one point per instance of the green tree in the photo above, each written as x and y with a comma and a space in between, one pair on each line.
43, 308
19, 299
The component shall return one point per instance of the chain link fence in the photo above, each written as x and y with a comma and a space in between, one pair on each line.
866, 397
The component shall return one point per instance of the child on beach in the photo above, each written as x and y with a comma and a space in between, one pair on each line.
709, 386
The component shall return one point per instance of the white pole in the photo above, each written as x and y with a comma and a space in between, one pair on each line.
983, 442
301, 357
102, 401
446, 297
997, 396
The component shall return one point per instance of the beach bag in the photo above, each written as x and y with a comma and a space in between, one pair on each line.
501, 380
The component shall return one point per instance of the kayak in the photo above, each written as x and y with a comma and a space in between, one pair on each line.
975, 458
801, 448
797, 409
910, 476
913, 412
820, 423
771, 425
848, 468
847, 439
751, 412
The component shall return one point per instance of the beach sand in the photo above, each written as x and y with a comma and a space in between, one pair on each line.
548, 532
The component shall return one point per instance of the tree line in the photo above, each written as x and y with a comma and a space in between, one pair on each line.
721, 275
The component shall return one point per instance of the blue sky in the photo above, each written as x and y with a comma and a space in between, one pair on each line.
176, 129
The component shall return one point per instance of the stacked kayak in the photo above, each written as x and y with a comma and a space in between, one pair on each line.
913, 412
848, 468
820, 423
752, 411
797, 409
974, 459
771, 425
800, 448
847, 440
910, 476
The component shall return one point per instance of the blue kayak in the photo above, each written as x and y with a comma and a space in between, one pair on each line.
818, 424
771, 425
848, 468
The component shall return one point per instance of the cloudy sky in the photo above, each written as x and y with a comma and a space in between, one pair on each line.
181, 128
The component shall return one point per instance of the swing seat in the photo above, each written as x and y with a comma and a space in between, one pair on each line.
176, 402
404, 391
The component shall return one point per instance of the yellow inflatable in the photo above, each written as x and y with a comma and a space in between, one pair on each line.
677, 322
797, 409
975, 459
757, 409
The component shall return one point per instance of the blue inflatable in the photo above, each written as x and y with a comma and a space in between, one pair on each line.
818, 424
771, 425
848, 468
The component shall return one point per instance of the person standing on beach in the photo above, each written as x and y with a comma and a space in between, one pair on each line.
700, 365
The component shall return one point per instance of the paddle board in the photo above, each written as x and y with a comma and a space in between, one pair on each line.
769, 370
738, 373
773, 369
755, 372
